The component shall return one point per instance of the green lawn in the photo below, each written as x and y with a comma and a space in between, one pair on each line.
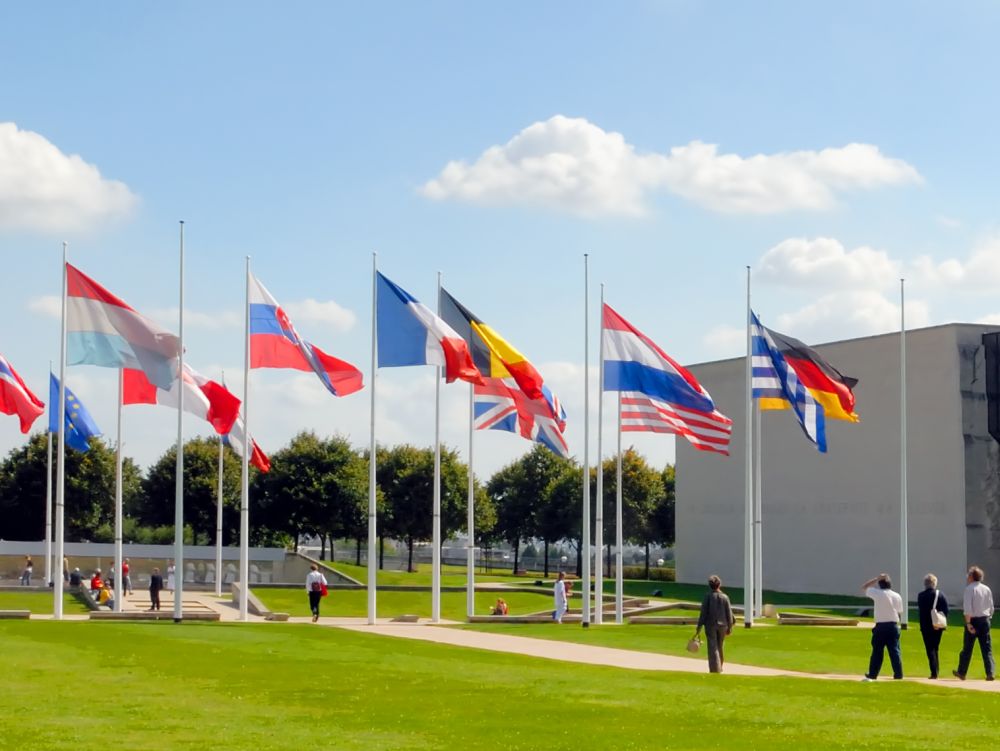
40, 602
452, 576
235, 687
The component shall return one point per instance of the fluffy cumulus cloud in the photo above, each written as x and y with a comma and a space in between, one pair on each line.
326, 313
844, 315
43, 189
980, 271
825, 262
573, 165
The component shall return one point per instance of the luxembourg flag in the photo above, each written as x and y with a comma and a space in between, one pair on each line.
16, 398
410, 334
203, 398
274, 343
102, 329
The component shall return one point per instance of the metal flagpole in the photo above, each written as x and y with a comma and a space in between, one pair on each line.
758, 524
119, 575
619, 531
245, 464
48, 498
470, 553
179, 479
599, 500
748, 509
57, 582
218, 524
436, 518
904, 555
372, 537
585, 531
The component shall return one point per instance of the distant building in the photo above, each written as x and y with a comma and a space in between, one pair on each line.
831, 521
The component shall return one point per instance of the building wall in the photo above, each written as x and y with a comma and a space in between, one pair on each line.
831, 521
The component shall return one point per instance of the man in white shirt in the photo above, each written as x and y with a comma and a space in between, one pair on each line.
977, 604
559, 592
885, 634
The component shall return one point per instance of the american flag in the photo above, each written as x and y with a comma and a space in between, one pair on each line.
501, 405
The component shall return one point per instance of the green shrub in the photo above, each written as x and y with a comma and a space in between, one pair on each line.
662, 574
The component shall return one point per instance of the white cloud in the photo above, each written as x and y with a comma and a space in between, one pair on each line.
824, 262
979, 272
223, 319
327, 313
726, 340
844, 315
43, 189
573, 165
49, 306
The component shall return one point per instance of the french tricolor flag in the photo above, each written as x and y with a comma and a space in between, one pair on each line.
102, 329
16, 398
274, 343
410, 334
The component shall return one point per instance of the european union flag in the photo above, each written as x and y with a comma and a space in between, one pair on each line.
80, 426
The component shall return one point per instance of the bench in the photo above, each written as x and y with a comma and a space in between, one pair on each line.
665, 620
791, 619
281, 617
14, 614
151, 615
406, 618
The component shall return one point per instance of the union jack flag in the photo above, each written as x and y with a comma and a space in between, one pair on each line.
501, 405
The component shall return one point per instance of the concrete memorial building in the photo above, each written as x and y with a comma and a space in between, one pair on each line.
831, 521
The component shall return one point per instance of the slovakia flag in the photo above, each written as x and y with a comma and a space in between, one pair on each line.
16, 398
410, 334
274, 343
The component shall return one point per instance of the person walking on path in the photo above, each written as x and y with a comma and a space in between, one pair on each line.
931, 599
29, 567
155, 585
559, 592
977, 605
315, 584
717, 619
885, 633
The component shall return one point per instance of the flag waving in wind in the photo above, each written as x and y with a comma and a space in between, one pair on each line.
80, 426
274, 343
773, 378
658, 395
203, 398
410, 334
236, 440
102, 329
16, 398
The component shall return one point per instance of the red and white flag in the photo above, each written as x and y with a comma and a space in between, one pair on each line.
204, 398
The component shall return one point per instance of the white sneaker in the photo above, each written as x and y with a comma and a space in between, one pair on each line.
866, 679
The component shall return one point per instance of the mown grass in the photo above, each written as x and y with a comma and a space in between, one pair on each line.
234, 687
453, 576
40, 602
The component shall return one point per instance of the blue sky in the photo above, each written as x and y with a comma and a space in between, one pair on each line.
853, 145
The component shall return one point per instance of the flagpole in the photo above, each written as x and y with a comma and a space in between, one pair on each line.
179, 478
48, 495
758, 522
119, 575
57, 582
599, 500
245, 463
470, 552
218, 525
748, 480
619, 531
372, 519
904, 584
585, 524
436, 520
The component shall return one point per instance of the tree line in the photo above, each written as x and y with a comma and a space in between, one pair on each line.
318, 487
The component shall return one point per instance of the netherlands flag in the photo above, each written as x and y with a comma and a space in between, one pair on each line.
16, 398
410, 334
658, 394
274, 343
102, 329
204, 398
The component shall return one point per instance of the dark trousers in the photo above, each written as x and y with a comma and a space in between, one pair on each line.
715, 636
932, 640
154, 599
982, 635
885, 636
314, 598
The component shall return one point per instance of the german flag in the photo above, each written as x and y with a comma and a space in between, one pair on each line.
828, 386
491, 353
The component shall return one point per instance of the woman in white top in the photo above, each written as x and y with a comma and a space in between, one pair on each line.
171, 570
315, 584
559, 592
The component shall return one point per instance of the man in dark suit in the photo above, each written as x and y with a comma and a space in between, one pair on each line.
155, 585
931, 599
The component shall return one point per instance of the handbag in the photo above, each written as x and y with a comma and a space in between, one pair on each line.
939, 621
694, 643
323, 592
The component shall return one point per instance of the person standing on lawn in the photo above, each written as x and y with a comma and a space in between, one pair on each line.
931, 599
977, 605
559, 592
717, 619
885, 633
315, 584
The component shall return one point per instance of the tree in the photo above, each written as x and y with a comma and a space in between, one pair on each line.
660, 524
565, 493
642, 492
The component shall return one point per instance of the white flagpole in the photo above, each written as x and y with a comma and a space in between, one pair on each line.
436, 520
119, 576
585, 531
218, 524
245, 463
372, 518
57, 582
619, 530
470, 521
48, 499
179, 478
904, 555
748, 509
758, 522
599, 500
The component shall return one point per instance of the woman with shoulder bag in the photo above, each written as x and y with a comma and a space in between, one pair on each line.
315, 586
717, 619
932, 607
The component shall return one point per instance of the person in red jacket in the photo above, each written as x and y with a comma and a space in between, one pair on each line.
96, 583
